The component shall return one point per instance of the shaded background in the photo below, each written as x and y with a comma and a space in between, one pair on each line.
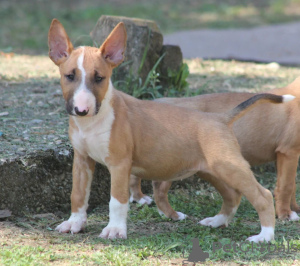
24, 24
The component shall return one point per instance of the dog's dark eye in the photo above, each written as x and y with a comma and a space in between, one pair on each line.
70, 77
98, 79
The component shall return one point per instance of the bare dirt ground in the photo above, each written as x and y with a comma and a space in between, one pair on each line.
32, 109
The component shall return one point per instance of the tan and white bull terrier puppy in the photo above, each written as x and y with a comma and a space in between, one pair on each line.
148, 139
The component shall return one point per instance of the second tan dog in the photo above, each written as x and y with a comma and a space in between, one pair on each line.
266, 133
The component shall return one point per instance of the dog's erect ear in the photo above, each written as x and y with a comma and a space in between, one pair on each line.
60, 46
114, 46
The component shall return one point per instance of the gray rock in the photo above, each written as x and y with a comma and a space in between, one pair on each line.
141, 35
172, 60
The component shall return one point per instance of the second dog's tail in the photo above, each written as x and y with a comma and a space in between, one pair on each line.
247, 105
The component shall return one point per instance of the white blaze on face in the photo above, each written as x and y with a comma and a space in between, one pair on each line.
84, 100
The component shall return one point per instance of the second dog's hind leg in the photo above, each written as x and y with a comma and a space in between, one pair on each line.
136, 194
231, 201
285, 191
238, 176
160, 190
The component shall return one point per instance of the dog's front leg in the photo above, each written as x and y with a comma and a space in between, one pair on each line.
119, 201
83, 169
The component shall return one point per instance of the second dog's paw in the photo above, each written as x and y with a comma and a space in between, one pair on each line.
289, 216
143, 200
74, 225
294, 216
295, 208
181, 216
110, 232
216, 221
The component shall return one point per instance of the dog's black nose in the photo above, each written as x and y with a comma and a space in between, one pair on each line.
83, 113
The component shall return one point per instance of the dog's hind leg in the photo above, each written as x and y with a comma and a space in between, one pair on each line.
136, 194
231, 201
160, 191
294, 205
286, 186
238, 176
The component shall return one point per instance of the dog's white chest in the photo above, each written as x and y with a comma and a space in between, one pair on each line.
94, 144
93, 134
98, 147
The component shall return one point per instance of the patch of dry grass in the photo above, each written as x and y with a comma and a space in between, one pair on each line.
25, 68
234, 76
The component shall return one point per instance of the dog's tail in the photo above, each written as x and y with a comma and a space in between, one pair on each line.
247, 105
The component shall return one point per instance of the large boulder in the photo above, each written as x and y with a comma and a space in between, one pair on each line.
143, 36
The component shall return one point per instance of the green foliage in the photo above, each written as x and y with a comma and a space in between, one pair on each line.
27, 22
28, 27
134, 85
151, 88
178, 84
177, 79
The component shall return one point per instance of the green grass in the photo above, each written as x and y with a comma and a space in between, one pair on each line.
152, 240
26, 23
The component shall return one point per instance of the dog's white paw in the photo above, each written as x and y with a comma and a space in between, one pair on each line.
74, 225
266, 234
67, 226
294, 216
216, 221
143, 200
110, 232
181, 216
